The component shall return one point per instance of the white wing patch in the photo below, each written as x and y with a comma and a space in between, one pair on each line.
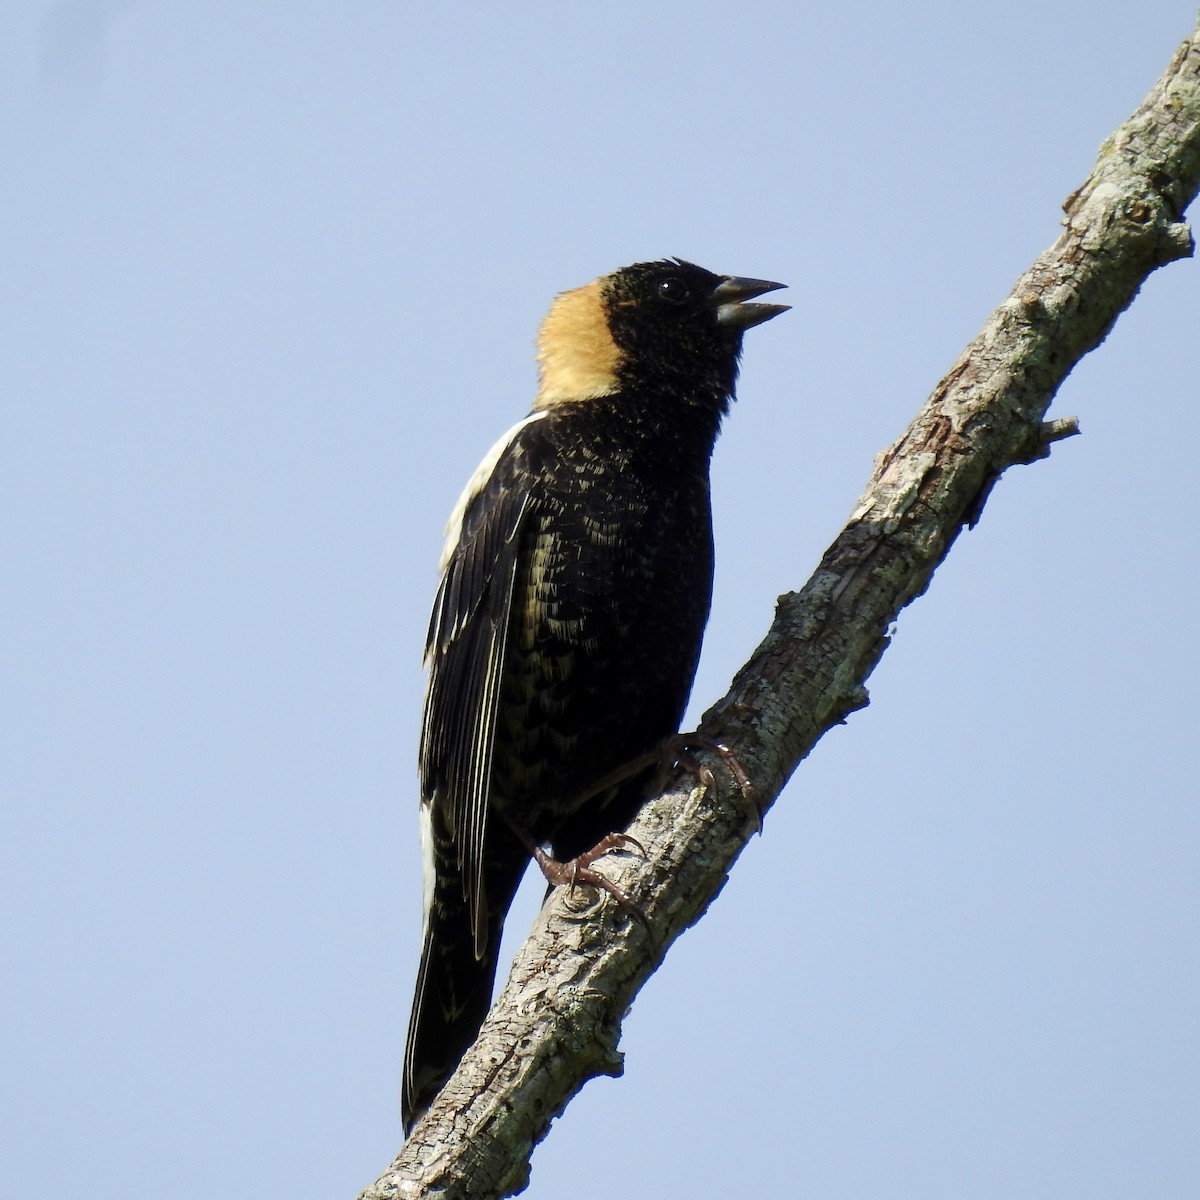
428, 865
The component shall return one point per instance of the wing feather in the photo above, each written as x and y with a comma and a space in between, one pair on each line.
465, 652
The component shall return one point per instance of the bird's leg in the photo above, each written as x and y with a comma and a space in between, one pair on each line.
579, 869
626, 771
674, 752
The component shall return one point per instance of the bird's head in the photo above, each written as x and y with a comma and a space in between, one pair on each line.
667, 326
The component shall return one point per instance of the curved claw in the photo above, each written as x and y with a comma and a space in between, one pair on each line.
579, 870
683, 742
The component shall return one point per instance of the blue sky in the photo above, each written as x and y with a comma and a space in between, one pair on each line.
272, 275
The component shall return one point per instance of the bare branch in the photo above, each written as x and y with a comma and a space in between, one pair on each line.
558, 1021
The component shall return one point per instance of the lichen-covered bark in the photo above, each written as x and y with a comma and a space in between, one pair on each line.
558, 1021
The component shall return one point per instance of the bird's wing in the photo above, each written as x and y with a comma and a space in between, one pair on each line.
465, 651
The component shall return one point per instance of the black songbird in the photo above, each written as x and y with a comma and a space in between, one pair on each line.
576, 582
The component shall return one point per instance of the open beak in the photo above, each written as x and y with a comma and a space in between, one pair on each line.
729, 295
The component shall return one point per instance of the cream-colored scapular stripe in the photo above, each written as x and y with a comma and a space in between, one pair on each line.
578, 360
475, 485
577, 356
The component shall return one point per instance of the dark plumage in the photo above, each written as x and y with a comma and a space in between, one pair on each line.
576, 584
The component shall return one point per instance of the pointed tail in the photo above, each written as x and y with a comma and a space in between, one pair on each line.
454, 988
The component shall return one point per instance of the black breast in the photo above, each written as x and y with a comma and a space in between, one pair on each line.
609, 608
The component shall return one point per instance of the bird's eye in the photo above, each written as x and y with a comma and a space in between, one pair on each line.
673, 289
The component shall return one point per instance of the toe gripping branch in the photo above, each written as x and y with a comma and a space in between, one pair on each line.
676, 752
579, 869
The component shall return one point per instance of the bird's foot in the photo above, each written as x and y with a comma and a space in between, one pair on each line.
675, 752
579, 870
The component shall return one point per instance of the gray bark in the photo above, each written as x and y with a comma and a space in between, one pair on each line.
558, 1021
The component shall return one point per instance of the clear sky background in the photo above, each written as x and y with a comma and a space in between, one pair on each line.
271, 276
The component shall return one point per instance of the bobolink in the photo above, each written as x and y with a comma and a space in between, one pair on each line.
576, 582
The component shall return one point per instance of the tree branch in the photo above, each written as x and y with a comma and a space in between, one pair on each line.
558, 1021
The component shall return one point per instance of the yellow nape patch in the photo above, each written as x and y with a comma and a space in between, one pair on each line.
576, 352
